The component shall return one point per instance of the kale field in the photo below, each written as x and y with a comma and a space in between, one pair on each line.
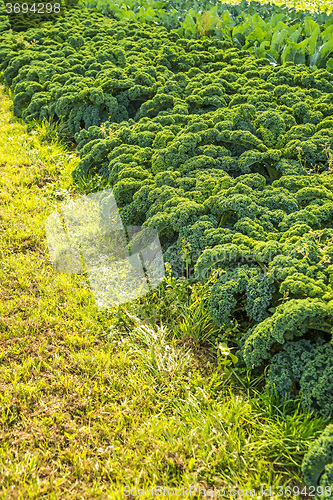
213, 125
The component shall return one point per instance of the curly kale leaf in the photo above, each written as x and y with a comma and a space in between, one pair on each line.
225, 294
291, 319
318, 461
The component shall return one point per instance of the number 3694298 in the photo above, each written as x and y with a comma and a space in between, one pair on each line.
38, 8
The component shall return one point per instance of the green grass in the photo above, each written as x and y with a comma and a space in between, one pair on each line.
93, 401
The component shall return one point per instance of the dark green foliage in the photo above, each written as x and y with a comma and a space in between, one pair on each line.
306, 367
257, 289
317, 382
317, 465
88, 70
292, 319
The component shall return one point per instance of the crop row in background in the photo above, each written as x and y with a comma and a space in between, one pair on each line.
279, 33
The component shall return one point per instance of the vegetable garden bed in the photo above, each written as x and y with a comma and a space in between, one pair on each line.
228, 155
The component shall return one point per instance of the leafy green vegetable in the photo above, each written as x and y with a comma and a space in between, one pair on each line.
317, 465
